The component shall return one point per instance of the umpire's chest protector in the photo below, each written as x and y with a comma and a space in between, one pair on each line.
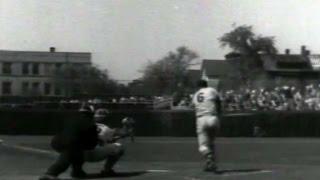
78, 133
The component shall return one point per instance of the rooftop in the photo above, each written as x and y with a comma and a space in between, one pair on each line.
44, 56
215, 67
286, 62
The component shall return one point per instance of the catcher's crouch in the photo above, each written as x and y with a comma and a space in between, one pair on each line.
107, 149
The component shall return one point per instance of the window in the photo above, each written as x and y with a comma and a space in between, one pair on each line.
47, 88
58, 65
25, 68
47, 69
35, 86
6, 68
35, 68
57, 91
6, 88
25, 87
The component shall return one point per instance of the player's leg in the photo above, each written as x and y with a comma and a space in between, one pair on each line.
77, 161
204, 141
206, 129
211, 157
116, 151
212, 131
96, 155
60, 165
111, 153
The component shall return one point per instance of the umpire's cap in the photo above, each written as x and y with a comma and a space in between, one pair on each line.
101, 113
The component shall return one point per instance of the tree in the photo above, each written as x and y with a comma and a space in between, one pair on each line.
248, 47
83, 80
169, 73
242, 40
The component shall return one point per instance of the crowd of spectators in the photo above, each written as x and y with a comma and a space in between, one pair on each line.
116, 102
118, 99
277, 98
258, 99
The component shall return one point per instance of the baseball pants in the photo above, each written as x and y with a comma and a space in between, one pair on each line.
207, 128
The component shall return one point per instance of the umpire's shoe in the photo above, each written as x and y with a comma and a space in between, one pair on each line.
78, 174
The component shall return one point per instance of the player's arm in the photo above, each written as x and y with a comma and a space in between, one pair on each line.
218, 102
218, 105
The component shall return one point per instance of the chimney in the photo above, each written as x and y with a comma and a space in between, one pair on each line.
303, 50
287, 51
52, 49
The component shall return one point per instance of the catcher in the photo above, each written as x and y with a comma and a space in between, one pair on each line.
107, 149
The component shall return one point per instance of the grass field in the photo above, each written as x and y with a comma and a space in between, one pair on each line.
26, 157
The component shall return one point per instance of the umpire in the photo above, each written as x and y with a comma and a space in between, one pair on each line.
77, 136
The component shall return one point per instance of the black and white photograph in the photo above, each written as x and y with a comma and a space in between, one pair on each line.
159, 89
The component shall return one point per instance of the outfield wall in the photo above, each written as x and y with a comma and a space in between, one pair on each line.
168, 123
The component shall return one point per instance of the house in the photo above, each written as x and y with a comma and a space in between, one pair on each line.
291, 67
30, 73
272, 70
283, 69
214, 71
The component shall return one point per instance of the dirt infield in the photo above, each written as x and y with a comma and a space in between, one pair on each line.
26, 157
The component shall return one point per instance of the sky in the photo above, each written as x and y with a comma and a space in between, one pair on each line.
124, 35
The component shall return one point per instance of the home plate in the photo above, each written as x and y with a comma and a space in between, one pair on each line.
158, 170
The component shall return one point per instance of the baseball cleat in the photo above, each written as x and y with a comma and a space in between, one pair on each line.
210, 166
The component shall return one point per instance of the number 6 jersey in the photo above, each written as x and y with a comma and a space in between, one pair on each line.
204, 101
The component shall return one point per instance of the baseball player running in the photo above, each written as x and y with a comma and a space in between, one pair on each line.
207, 108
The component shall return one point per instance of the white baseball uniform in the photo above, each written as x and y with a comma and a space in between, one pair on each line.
207, 120
101, 152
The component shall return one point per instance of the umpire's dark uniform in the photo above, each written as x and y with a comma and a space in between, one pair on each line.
79, 134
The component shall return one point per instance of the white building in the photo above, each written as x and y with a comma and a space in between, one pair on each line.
29, 73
